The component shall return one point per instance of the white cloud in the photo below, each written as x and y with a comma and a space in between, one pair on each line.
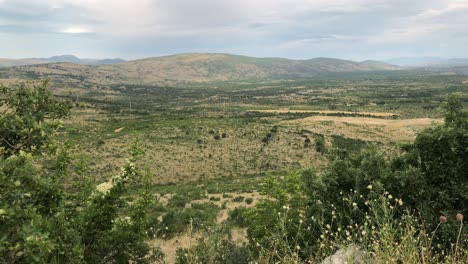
288, 26
77, 30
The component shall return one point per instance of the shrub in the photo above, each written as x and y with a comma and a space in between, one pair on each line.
178, 220
350, 145
28, 118
43, 220
215, 199
238, 199
320, 143
178, 200
213, 248
238, 217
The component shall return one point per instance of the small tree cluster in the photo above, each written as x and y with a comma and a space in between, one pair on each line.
43, 220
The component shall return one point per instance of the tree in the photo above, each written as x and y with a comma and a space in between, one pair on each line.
41, 221
27, 116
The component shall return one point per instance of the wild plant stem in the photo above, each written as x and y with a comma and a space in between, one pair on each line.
430, 241
433, 234
457, 246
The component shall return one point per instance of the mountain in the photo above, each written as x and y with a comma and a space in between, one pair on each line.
56, 59
61, 58
428, 61
379, 64
202, 67
222, 67
74, 59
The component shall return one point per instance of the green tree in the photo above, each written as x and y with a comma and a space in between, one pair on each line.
27, 116
433, 173
42, 221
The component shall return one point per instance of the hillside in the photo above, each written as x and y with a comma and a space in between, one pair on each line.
183, 68
223, 67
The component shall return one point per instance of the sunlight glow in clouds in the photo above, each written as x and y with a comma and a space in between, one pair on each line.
76, 30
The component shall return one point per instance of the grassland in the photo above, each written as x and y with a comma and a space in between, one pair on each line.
208, 144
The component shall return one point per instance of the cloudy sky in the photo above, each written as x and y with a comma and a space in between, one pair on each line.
129, 29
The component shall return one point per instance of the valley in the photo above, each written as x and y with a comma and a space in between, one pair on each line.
215, 129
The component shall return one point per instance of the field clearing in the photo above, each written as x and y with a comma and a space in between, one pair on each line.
326, 112
369, 129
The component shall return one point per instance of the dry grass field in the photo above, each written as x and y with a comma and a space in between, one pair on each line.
368, 129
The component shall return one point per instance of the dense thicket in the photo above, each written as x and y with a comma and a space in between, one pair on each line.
47, 218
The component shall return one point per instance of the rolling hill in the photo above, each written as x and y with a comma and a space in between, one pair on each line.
222, 67
203, 67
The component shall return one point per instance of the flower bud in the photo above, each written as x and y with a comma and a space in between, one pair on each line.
443, 219
459, 217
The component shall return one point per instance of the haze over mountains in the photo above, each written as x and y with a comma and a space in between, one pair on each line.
54, 59
428, 61
192, 67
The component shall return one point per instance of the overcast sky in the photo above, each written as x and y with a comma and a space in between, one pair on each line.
129, 29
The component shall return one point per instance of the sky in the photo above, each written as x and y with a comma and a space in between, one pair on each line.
297, 29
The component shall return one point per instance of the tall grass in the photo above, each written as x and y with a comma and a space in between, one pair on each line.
388, 234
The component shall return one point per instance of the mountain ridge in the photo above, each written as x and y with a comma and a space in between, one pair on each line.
222, 66
204, 67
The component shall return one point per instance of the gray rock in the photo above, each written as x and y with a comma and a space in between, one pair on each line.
352, 254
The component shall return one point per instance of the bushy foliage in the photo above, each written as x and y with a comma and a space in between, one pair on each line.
28, 116
266, 228
196, 217
320, 143
213, 248
432, 175
430, 179
44, 220
238, 216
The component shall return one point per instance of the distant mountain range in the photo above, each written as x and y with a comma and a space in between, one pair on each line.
55, 59
318, 64
197, 67
209, 66
428, 61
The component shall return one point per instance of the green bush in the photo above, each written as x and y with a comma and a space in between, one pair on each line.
177, 220
238, 216
320, 143
43, 220
238, 199
214, 248
29, 116
215, 199
178, 200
